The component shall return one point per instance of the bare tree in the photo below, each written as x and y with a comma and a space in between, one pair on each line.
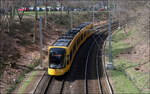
12, 11
35, 9
36, 19
46, 14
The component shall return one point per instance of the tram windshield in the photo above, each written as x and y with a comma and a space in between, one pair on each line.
56, 58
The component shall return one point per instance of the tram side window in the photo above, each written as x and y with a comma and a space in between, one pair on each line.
70, 55
88, 31
84, 33
82, 36
67, 59
78, 41
74, 47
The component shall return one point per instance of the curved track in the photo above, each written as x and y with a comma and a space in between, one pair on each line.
81, 79
92, 69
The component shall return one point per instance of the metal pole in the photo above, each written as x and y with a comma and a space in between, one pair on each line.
93, 13
107, 4
149, 49
109, 36
109, 65
61, 8
1, 4
41, 44
119, 14
71, 20
113, 8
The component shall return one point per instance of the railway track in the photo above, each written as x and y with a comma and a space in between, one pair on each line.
96, 67
97, 71
96, 78
86, 68
48, 85
104, 87
53, 83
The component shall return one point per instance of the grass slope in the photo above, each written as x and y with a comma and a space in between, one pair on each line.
125, 78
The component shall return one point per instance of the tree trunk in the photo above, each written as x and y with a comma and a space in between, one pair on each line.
20, 15
12, 14
46, 15
36, 18
36, 14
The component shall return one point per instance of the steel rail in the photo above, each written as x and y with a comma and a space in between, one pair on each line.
49, 83
97, 71
86, 66
40, 89
104, 65
104, 62
105, 73
39, 83
62, 87
97, 67
97, 64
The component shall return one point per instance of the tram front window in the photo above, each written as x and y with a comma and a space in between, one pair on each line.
56, 58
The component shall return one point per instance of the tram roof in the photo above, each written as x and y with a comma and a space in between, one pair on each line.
66, 39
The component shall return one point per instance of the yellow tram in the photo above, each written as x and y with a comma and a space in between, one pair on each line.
63, 51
